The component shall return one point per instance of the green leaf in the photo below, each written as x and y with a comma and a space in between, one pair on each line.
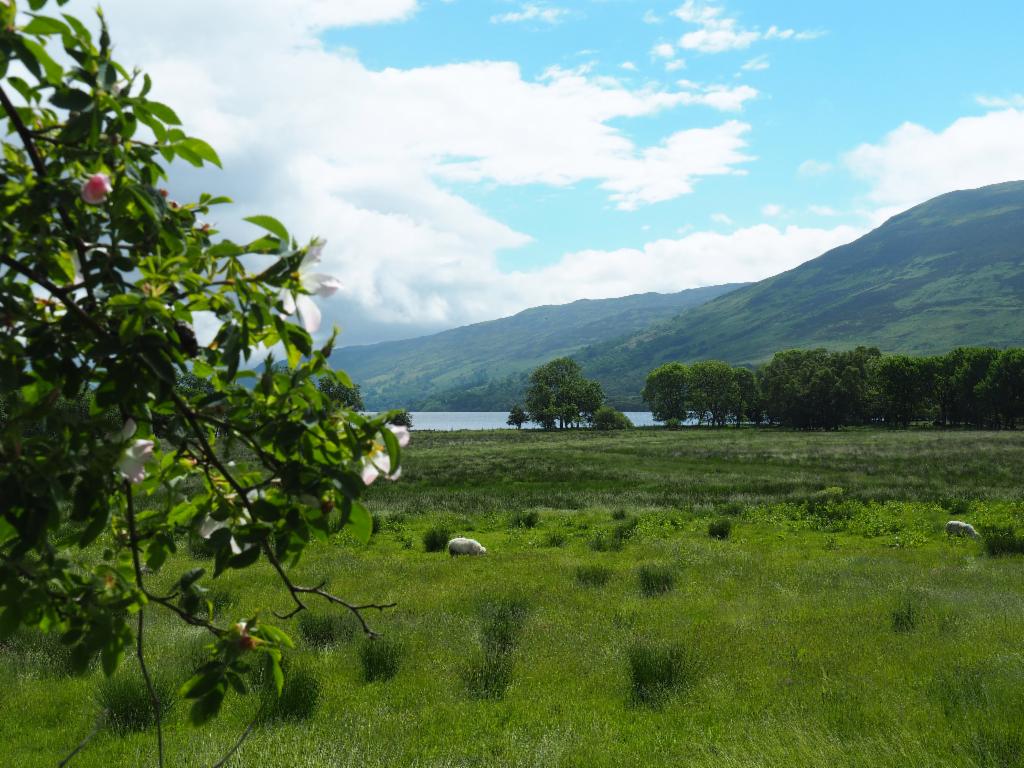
163, 112
53, 70
270, 224
111, 656
44, 25
202, 150
71, 98
208, 706
360, 522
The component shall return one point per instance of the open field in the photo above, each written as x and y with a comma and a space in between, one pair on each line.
836, 625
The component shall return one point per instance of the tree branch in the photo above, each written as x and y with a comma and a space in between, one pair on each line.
245, 734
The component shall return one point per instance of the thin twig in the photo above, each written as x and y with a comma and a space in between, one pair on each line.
245, 734
81, 745
139, 641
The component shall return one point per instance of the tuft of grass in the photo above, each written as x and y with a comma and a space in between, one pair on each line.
656, 672
556, 539
299, 697
593, 575
1002, 540
906, 615
655, 579
502, 621
619, 514
489, 676
324, 630
615, 539
435, 539
524, 518
380, 658
126, 703
720, 529
43, 652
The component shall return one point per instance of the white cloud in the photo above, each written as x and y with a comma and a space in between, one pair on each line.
912, 163
1013, 101
650, 17
771, 210
721, 218
531, 12
629, 66
823, 210
696, 259
361, 156
663, 51
718, 32
814, 168
721, 97
757, 64
675, 65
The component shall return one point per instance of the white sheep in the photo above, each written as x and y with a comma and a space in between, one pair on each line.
463, 546
958, 528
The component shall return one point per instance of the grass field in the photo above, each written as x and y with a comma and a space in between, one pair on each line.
835, 624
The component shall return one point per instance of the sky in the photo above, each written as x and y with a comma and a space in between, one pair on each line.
467, 159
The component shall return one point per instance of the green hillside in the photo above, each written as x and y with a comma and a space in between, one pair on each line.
948, 272
482, 366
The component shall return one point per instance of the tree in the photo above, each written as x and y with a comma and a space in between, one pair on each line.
559, 395
748, 396
904, 383
1003, 387
102, 276
517, 417
401, 419
712, 390
342, 392
666, 392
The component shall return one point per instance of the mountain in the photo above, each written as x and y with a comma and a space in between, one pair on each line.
483, 366
946, 273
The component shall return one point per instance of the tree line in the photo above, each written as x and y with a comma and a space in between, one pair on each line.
818, 389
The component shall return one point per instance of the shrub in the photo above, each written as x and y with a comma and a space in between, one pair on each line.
1001, 540
436, 539
607, 418
593, 575
658, 671
720, 528
323, 630
380, 658
299, 697
655, 579
673, 423
125, 700
524, 519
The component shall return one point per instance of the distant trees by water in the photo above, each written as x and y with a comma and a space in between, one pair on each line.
819, 389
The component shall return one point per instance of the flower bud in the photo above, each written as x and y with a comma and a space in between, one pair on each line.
96, 189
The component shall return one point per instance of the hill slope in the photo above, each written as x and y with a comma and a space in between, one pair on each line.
481, 366
948, 272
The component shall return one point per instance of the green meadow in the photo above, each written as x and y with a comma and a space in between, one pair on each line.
829, 621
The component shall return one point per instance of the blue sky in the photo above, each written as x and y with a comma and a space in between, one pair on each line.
469, 158
873, 66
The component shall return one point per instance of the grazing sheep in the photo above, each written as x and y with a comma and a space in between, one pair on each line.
462, 546
958, 528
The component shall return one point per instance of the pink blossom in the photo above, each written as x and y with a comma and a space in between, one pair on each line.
96, 188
